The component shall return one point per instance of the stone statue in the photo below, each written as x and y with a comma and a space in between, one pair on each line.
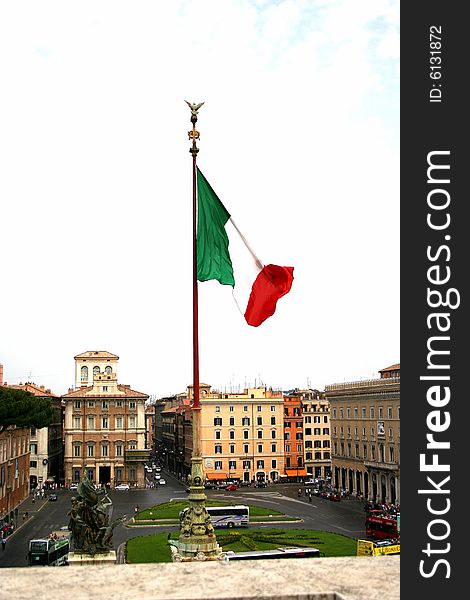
89, 519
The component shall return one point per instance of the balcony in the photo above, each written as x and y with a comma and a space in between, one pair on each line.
384, 466
137, 456
314, 579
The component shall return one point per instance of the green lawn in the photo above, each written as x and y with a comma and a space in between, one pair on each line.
171, 510
154, 548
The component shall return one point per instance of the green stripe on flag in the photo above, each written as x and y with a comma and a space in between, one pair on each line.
213, 258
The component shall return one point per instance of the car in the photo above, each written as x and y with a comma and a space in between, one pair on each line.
261, 484
232, 487
52, 497
73, 487
122, 487
162, 482
311, 482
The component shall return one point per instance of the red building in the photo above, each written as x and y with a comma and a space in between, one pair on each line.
293, 437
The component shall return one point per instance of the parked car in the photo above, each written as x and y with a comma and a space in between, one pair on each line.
122, 487
162, 482
52, 497
245, 484
261, 484
232, 487
73, 487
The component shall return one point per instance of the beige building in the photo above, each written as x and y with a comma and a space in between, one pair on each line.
242, 434
104, 424
317, 433
365, 421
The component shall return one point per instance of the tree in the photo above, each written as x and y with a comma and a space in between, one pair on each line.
23, 409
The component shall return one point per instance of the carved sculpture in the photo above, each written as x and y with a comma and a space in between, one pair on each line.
89, 519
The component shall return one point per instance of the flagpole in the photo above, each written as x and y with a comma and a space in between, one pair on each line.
197, 539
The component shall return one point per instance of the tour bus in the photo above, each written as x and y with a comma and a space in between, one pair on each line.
226, 516
382, 526
49, 551
276, 553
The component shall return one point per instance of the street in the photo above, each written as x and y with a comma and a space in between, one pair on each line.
345, 517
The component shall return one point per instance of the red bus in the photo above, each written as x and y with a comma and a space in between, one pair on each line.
380, 526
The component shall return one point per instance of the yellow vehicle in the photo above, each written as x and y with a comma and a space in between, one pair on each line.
377, 548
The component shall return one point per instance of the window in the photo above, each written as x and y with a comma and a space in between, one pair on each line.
260, 448
231, 408
246, 421
363, 412
218, 465
232, 448
389, 412
76, 450
288, 461
391, 453
119, 403
33, 431
325, 419
77, 404
308, 431
308, 444
118, 422
273, 434
390, 433
90, 474
316, 419
217, 421
217, 435
90, 422
299, 461
357, 451
326, 455
259, 420
326, 430
260, 434
259, 407
317, 455
260, 464
232, 421
245, 434
308, 419
91, 450
299, 447
299, 435
232, 434
326, 444
364, 451
104, 422
245, 408
132, 474
132, 405
246, 464
364, 431
108, 370
245, 448
131, 422
273, 408
104, 450
33, 448
273, 463
372, 412
287, 447
76, 475
217, 408
232, 464
273, 447
287, 425
91, 404
118, 449
381, 410
372, 451
287, 436
84, 374
355, 412
77, 423
341, 413
218, 449
308, 456
132, 445
348, 413
334, 413
273, 421
105, 403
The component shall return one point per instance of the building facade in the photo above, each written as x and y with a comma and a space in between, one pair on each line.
317, 433
46, 461
104, 425
293, 437
365, 421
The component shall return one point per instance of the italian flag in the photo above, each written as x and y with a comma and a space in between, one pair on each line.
225, 255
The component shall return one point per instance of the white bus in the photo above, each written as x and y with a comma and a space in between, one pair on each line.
226, 516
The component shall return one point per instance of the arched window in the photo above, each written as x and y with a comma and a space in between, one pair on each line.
108, 370
84, 373
96, 370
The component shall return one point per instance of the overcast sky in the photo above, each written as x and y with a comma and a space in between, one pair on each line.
299, 139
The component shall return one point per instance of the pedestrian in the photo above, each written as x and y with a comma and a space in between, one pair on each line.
4, 543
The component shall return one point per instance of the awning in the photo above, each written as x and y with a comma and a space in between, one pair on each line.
215, 476
296, 472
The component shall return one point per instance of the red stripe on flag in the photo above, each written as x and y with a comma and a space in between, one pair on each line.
272, 283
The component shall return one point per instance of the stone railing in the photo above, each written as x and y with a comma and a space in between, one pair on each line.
344, 578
